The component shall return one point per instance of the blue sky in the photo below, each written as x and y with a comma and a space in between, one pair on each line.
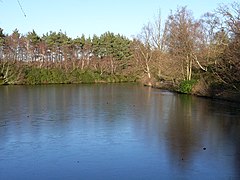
77, 17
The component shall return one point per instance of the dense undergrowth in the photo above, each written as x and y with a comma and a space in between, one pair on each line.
21, 73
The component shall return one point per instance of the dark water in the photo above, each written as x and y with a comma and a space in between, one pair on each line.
117, 131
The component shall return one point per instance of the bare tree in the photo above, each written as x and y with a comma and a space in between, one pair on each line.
228, 68
143, 50
158, 33
183, 40
149, 47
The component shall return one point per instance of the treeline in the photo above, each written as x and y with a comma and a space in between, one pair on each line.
55, 47
31, 59
200, 56
191, 55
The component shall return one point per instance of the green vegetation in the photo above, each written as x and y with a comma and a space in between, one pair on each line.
25, 73
186, 86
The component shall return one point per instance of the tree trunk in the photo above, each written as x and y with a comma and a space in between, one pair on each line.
148, 71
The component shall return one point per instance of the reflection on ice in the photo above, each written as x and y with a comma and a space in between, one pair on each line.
116, 130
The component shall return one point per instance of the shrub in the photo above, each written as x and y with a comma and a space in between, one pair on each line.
186, 86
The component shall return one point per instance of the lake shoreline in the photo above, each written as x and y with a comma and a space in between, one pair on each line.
214, 94
105, 79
